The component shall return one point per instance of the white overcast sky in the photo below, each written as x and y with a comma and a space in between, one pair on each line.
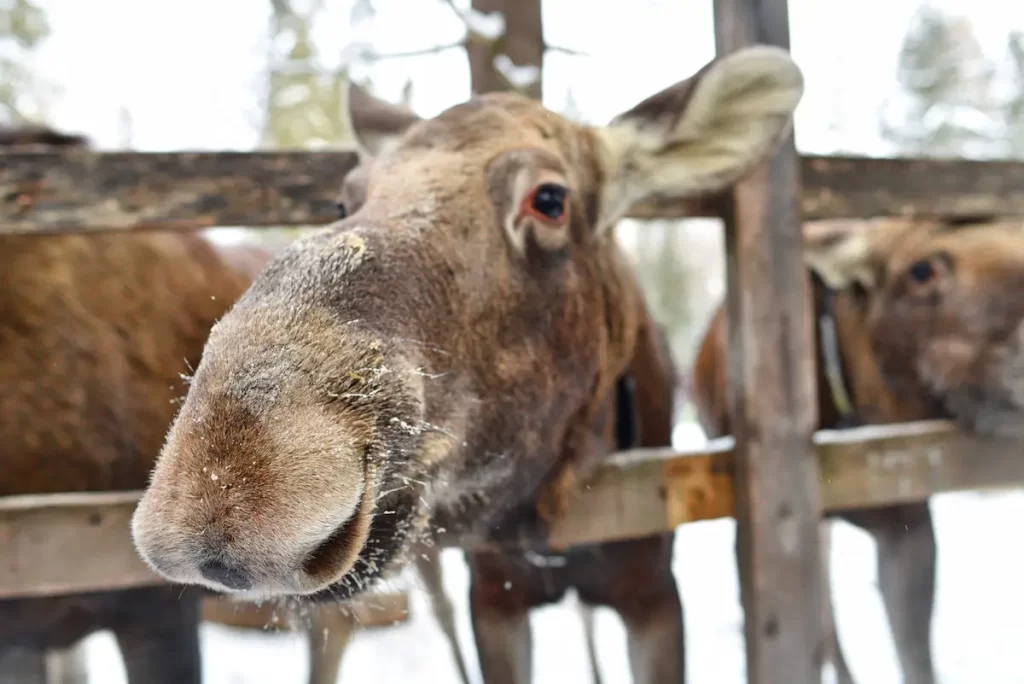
187, 70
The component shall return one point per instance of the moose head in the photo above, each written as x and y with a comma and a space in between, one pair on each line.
448, 348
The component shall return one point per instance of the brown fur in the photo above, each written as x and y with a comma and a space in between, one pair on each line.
445, 354
632, 577
95, 334
946, 348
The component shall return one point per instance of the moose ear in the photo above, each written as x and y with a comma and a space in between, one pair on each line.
374, 122
702, 134
842, 252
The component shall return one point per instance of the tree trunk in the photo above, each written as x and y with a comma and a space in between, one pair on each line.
522, 43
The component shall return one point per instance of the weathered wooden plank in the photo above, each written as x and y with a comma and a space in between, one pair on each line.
68, 542
866, 187
646, 491
378, 610
53, 193
772, 402
84, 191
57, 544
54, 544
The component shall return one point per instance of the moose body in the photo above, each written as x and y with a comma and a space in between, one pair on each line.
928, 325
446, 356
96, 334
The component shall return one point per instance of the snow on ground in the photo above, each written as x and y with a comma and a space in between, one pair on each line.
973, 636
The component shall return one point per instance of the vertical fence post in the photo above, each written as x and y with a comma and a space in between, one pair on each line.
772, 394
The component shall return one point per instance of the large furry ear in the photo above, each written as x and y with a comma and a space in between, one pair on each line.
702, 134
375, 123
842, 252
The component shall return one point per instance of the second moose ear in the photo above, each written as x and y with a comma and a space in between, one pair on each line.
843, 252
374, 122
702, 134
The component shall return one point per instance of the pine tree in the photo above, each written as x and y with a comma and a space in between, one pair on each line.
949, 109
304, 102
23, 27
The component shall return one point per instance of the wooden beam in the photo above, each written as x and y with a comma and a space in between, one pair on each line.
377, 610
66, 543
63, 543
648, 491
99, 192
772, 401
90, 553
86, 191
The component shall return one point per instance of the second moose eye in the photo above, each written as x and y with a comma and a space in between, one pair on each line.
922, 271
925, 275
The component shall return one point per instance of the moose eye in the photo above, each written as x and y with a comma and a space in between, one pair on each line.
922, 271
548, 200
342, 212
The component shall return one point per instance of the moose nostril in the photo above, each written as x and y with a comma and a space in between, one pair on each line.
230, 577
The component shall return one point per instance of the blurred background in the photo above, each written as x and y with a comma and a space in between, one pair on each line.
884, 78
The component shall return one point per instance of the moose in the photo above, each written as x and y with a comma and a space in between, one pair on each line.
447, 355
916, 319
118, 319
95, 332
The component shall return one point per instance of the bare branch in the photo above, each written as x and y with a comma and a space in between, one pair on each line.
370, 55
474, 35
363, 52
566, 51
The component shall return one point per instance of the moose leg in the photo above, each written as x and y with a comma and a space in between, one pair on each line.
905, 538
635, 579
329, 635
158, 635
22, 664
503, 641
501, 593
428, 564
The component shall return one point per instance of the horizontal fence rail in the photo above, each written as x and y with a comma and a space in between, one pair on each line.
373, 610
66, 543
81, 191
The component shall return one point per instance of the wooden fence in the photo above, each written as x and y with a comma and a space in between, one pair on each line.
775, 478
67, 543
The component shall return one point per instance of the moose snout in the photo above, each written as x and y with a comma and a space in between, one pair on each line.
283, 510
243, 550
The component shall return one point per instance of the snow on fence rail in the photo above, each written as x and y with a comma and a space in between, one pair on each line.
68, 543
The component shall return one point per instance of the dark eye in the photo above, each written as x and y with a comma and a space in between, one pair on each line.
340, 206
922, 271
549, 200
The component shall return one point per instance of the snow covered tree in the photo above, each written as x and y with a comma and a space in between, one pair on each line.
304, 101
948, 107
23, 27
